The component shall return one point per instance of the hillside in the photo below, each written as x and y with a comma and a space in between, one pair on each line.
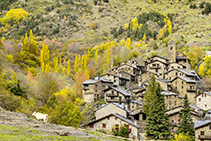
48, 48
17, 126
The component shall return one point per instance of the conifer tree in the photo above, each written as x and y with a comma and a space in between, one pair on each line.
68, 67
76, 64
158, 124
186, 124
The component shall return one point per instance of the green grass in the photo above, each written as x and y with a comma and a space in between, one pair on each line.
11, 133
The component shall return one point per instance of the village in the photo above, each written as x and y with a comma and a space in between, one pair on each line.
123, 89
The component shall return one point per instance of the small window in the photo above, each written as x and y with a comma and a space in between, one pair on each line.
202, 132
204, 95
108, 118
205, 105
199, 99
116, 118
104, 125
182, 87
91, 126
175, 87
172, 67
95, 90
210, 126
95, 85
182, 82
172, 121
175, 103
176, 73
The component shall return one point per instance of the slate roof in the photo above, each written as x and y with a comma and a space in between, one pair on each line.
119, 90
127, 73
118, 105
118, 116
115, 76
164, 80
187, 73
180, 57
209, 112
171, 93
138, 102
186, 79
195, 107
96, 79
158, 56
199, 124
127, 120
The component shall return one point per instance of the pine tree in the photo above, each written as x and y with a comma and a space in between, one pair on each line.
186, 124
68, 67
157, 124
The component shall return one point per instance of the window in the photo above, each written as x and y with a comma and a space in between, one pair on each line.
172, 67
103, 125
182, 87
116, 118
210, 126
108, 118
199, 99
175, 87
95, 85
153, 65
176, 73
204, 95
178, 120
95, 90
171, 48
114, 80
172, 121
175, 103
182, 82
112, 92
91, 126
202, 132
205, 105
117, 127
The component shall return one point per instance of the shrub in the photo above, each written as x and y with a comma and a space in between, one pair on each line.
93, 25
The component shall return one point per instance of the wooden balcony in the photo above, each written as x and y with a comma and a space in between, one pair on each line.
85, 88
191, 90
110, 94
205, 137
155, 67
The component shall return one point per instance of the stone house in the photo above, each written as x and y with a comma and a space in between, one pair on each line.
175, 65
93, 89
140, 64
185, 85
138, 93
125, 67
134, 104
203, 100
172, 100
157, 65
117, 95
202, 130
115, 121
174, 117
165, 84
172, 74
208, 115
117, 80
110, 108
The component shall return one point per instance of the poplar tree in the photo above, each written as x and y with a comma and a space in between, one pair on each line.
44, 59
108, 56
76, 64
185, 125
56, 64
68, 67
157, 124
96, 55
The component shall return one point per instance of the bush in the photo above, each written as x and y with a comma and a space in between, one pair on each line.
123, 131
93, 25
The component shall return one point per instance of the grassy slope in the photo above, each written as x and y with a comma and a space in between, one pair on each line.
187, 21
11, 133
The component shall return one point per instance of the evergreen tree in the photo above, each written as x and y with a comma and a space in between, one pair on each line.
186, 123
158, 124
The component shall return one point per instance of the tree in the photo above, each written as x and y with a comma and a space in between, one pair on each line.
157, 124
56, 63
76, 64
123, 131
185, 125
44, 59
68, 67
195, 56
205, 68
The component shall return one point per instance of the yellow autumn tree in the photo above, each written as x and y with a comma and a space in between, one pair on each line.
96, 56
122, 42
56, 64
76, 64
16, 15
108, 56
68, 67
126, 27
44, 59
128, 43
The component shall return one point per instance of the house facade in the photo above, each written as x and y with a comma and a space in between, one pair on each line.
202, 130
203, 100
